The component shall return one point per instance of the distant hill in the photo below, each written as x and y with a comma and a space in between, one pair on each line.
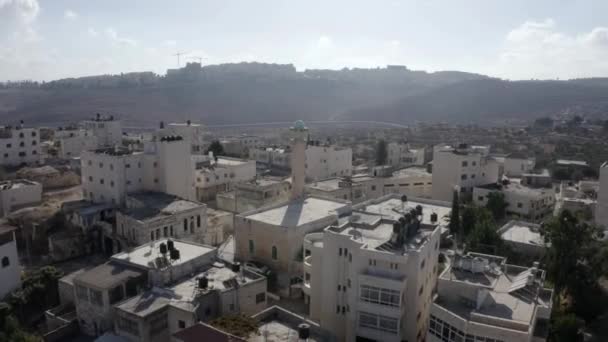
258, 92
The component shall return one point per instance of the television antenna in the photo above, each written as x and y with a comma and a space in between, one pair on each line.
179, 54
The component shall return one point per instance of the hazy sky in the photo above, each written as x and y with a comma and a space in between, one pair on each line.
516, 39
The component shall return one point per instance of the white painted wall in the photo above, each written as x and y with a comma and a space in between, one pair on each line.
10, 274
18, 193
601, 212
19, 146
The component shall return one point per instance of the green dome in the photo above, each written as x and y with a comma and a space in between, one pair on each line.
299, 125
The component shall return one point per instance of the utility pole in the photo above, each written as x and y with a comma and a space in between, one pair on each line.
179, 54
199, 58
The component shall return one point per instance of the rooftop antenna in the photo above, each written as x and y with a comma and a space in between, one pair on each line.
199, 58
179, 54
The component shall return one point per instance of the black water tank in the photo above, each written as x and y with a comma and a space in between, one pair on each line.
303, 331
170, 245
174, 254
396, 227
236, 267
163, 248
404, 198
203, 282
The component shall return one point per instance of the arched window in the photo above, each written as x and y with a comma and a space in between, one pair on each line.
5, 262
274, 252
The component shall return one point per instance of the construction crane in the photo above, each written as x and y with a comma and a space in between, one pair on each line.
198, 58
178, 54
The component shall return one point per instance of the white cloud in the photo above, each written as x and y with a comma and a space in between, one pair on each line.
324, 42
539, 49
92, 32
117, 39
70, 15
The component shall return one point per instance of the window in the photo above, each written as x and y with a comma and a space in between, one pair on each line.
373, 188
34, 143
5, 262
101, 181
116, 294
128, 166
181, 324
519, 205
33, 133
159, 322
82, 293
155, 180
22, 154
464, 163
96, 297
480, 198
129, 326
185, 225
112, 184
421, 290
34, 152
152, 236
378, 322
111, 166
90, 178
171, 230
339, 251
165, 231
274, 253
21, 135
100, 165
8, 145
463, 177
260, 297
376, 295
198, 221
6, 155
251, 247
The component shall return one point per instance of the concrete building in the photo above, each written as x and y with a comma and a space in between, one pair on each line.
71, 142
482, 298
528, 203
578, 198
105, 129
127, 274
273, 235
10, 269
217, 175
355, 189
151, 216
19, 193
601, 211
240, 146
371, 275
19, 145
193, 134
400, 155
523, 238
515, 165
216, 291
257, 193
166, 165
538, 179
462, 169
411, 181
322, 161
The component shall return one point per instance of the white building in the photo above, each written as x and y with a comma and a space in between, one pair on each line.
217, 290
151, 216
106, 129
257, 193
577, 198
400, 155
71, 142
523, 238
193, 133
372, 275
601, 211
522, 201
166, 165
19, 145
516, 165
10, 269
240, 146
216, 175
355, 189
462, 169
322, 161
411, 181
482, 298
19, 193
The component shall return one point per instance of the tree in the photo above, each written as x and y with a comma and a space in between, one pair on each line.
566, 328
497, 205
216, 147
455, 214
484, 237
381, 152
469, 217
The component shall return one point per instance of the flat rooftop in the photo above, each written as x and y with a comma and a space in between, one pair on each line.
183, 294
515, 187
278, 331
299, 212
522, 232
230, 161
566, 162
390, 206
146, 255
508, 298
108, 275
332, 184
158, 204
412, 172
16, 184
